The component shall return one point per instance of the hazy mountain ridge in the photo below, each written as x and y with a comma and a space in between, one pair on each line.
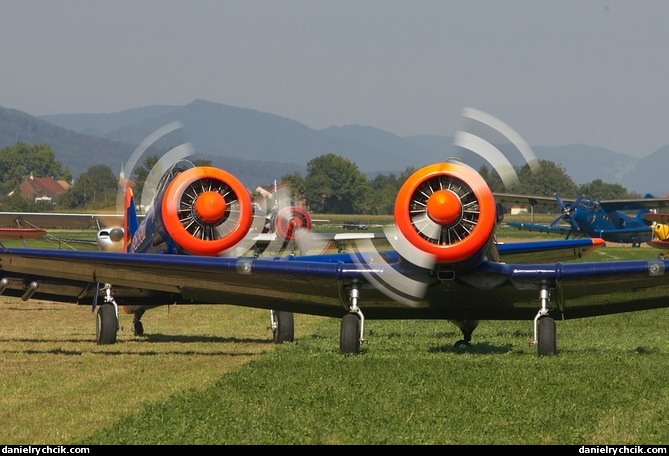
259, 147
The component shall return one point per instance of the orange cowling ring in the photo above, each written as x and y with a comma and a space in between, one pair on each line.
290, 219
172, 203
435, 208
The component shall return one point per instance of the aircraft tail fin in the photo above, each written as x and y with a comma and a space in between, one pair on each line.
640, 217
130, 220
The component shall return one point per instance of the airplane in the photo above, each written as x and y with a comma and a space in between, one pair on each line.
604, 219
440, 259
660, 226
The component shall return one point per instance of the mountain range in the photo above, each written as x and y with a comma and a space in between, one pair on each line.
260, 147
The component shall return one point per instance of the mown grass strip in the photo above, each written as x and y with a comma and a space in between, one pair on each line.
410, 386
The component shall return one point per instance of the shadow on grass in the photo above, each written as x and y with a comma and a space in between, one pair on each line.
483, 348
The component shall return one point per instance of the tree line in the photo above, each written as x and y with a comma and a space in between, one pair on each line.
332, 184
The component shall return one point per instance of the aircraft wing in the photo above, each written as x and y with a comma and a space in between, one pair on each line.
312, 285
557, 229
634, 204
21, 233
607, 205
544, 251
59, 220
512, 198
656, 217
659, 244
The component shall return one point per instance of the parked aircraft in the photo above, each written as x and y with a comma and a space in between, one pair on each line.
605, 219
201, 242
660, 226
444, 264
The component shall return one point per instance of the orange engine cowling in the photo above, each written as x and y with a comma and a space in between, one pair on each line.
206, 210
447, 210
290, 220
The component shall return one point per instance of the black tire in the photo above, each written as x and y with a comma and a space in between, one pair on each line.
349, 335
461, 345
106, 325
137, 328
547, 337
285, 327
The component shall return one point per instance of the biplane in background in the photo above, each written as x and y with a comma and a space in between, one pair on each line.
198, 245
582, 217
660, 226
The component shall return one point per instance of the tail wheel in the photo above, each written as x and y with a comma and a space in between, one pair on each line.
206, 211
446, 209
290, 220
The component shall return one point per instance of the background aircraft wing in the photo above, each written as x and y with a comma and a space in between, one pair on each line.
634, 204
656, 217
75, 221
21, 233
548, 251
523, 200
59, 220
607, 205
557, 229
659, 244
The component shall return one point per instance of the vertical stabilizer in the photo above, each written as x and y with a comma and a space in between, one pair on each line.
130, 221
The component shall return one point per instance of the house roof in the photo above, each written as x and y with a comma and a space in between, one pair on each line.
38, 187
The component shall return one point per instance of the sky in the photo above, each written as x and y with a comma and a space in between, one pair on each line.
557, 72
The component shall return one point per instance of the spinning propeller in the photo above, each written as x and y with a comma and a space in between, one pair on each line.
568, 211
445, 213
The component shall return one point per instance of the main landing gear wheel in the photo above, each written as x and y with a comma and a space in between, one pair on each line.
285, 327
547, 336
349, 334
106, 325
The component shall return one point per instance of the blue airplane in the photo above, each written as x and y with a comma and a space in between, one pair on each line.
202, 242
605, 219
443, 263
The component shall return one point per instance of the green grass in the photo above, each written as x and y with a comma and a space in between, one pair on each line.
609, 385
211, 375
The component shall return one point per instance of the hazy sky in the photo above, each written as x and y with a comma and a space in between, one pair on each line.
558, 72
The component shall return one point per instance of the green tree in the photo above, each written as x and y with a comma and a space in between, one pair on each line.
492, 179
600, 190
334, 185
21, 160
549, 179
95, 189
383, 191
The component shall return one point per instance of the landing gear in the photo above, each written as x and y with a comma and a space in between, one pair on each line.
106, 324
137, 326
106, 319
545, 331
349, 334
352, 326
282, 325
547, 336
467, 327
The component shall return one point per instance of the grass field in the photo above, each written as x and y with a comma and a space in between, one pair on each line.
211, 375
